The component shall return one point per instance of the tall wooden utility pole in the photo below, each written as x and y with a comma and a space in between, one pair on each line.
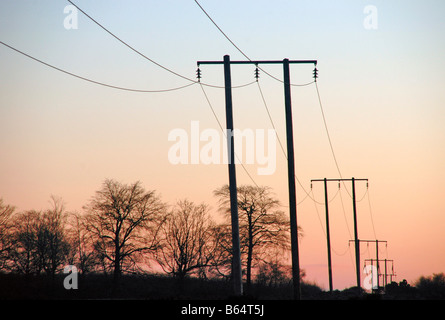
357, 243
290, 158
236, 252
291, 182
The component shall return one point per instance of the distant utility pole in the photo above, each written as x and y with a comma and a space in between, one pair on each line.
386, 269
290, 161
376, 252
328, 237
356, 240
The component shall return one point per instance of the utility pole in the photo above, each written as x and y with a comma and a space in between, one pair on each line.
386, 272
377, 260
291, 182
236, 258
386, 269
328, 237
290, 154
357, 244
356, 240
376, 253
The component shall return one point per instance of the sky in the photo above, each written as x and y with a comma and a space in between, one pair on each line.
380, 82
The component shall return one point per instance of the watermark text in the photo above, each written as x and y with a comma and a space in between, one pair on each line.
210, 146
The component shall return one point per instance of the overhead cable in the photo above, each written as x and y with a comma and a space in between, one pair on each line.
90, 80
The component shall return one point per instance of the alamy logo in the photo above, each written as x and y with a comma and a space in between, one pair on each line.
71, 20
371, 278
371, 20
70, 281
209, 146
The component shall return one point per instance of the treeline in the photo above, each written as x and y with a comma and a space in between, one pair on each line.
125, 229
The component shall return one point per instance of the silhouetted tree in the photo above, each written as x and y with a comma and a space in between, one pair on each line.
221, 263
273, 273
187, 245
53, 246
125, 221
39, 240
432, 287
24, 237
264, 229
83, 253
6, 212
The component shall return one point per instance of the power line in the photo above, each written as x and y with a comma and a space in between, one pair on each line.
364, 195
222, 129
302, 85
223, 33
189, 79
129, 46
146, 57
370, 212
241, 51
324, 231
336, 162
320, 103
93, 81
327, 131
318, 94
202, 84
242, 85
270, 118
344, 213
211, 108
110, 85
330, 144
281, 145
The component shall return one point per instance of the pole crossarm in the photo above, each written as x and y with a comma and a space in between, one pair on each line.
314, 62
313, 180
370, 241
380, 260
386, 274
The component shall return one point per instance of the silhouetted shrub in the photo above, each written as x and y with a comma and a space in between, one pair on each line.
432, 287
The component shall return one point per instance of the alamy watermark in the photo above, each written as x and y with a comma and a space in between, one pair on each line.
70, 281
209, 146
370, 282
371, 21
71, 20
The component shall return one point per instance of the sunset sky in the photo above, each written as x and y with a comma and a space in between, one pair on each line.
382, 92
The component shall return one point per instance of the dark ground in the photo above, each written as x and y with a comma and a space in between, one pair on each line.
155, 287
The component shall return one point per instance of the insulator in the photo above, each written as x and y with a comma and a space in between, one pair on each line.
198, 74
315, 74
257, 73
